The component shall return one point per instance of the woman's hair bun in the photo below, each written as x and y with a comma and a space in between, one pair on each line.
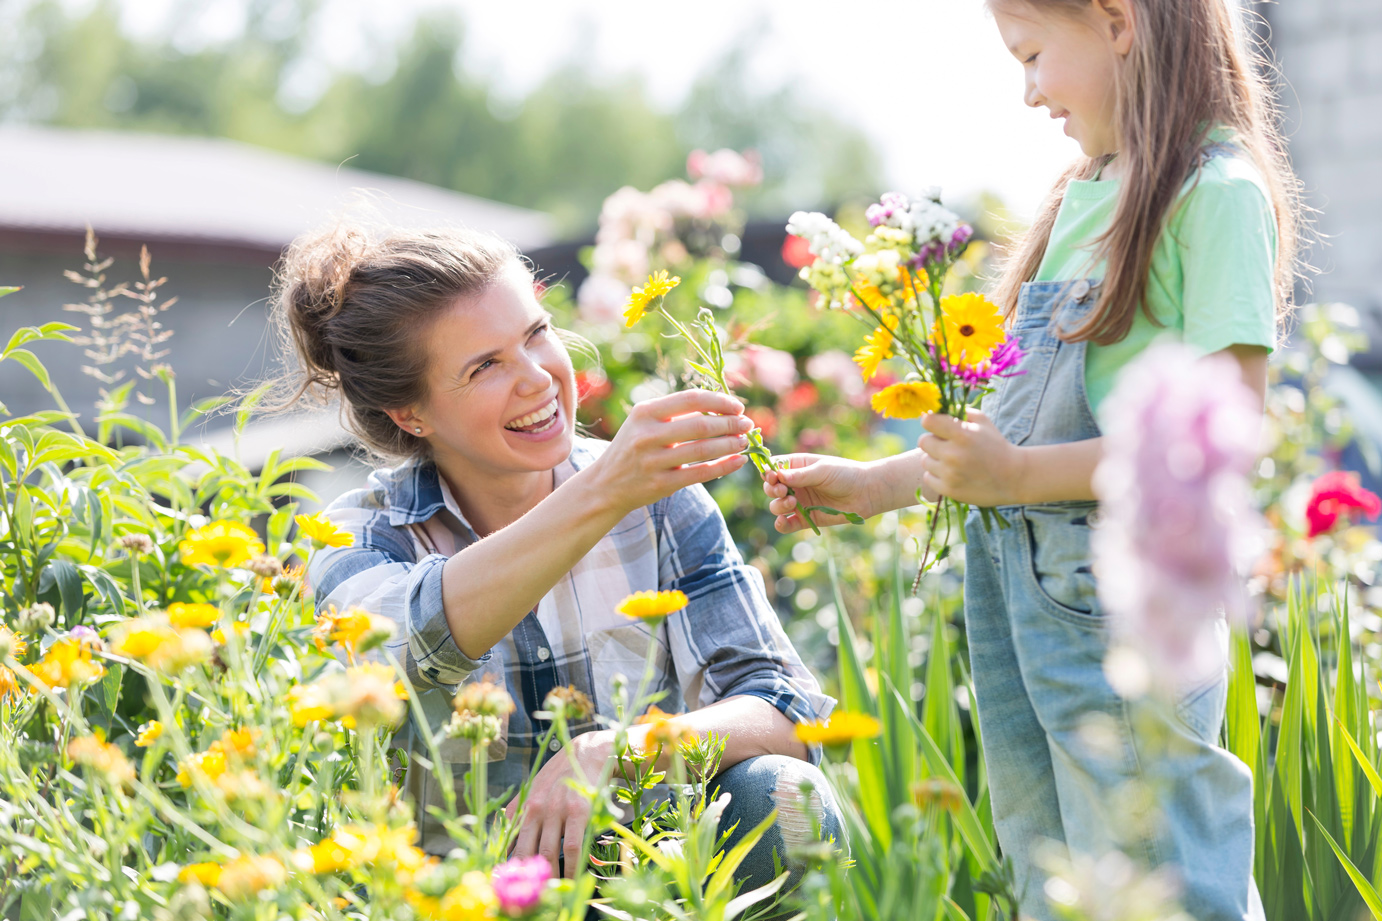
314, 278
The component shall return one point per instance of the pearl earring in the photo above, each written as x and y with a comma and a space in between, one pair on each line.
417, 430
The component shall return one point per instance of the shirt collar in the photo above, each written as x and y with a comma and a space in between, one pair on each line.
416, 492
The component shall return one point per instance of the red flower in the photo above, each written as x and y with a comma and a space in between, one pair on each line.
1339, 493
796, 252
765, 419
592, 385
802, 396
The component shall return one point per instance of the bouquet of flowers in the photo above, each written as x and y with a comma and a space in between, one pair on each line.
706, 343
957, 345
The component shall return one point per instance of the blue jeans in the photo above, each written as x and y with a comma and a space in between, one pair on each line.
1069, 760
759, 785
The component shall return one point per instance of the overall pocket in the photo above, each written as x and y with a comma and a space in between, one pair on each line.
1058, 561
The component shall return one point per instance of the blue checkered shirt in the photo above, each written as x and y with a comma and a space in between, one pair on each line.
726, 642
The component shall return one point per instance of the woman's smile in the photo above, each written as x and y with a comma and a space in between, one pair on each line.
539, 425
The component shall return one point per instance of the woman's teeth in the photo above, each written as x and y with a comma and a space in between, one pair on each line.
544, 414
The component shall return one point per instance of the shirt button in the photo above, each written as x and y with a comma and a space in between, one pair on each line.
556, 745
544, 653
1080, 291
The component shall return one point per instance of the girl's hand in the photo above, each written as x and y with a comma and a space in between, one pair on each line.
817, 480
555, 815
970, 461
671, 442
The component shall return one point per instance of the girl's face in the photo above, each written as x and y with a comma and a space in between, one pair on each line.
501, 389
1070, 58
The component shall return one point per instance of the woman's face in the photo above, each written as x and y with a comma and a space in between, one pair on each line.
501, 389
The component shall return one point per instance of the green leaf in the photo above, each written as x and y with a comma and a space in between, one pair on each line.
30, 360
1365, 889
1369, 770
105, 587
45, 333
1242, 723
723, 877
248, 403
10, 289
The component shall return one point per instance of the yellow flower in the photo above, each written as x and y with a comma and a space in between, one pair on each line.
103, 758
208, 874
220, 543
366, 695
357, 630
11, 644
841, 728
236, 744
472, 900
484, 698
239, 627
936, 792
181, 614
970, 328
907, 400
159, 645
658, 285
9, 684
284, 583
308, 703
148, 733
664, 728
245, 877
873, 298
66, 663
652, 605
322, 532
211, 764
877, 347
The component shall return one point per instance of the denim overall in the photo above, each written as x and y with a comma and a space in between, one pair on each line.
1064, 752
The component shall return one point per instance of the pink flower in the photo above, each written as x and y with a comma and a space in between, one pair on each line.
758, 365
1002, 363
602, 299
796, 251
1337, 494
518, 884
836, 368
725, 166
1178, 528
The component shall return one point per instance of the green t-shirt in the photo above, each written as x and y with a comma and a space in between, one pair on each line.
1212, 280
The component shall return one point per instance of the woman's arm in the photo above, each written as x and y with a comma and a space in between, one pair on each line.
665, 444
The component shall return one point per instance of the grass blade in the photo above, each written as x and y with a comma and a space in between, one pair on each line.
1365, 889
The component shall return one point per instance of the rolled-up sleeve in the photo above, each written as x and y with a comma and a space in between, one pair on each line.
727, 641
382, 573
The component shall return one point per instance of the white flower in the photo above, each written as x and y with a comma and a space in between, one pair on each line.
827, 240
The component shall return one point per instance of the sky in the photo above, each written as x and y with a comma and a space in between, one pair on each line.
927, 80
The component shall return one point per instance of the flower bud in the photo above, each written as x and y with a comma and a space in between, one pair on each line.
135, 544
484, 698
35, 619
264, 566
572, 704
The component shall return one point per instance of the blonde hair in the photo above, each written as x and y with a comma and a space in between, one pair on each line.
1186, 75
355, 305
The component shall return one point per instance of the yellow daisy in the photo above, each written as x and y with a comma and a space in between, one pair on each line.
877, 348
658, 284
322, 532
182, 614
970, 328
148, 733
220, 543
208, 874
907, 400
652, 605
840, 729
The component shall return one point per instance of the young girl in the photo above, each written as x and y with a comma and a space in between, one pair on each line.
1180, 220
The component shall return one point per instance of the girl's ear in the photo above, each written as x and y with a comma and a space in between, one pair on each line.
1119, 23
407, 419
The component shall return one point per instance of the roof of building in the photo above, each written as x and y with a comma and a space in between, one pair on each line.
212, 193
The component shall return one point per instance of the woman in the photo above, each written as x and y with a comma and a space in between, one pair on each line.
503, 541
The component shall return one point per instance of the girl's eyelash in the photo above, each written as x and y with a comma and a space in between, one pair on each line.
1030, 58
489, 361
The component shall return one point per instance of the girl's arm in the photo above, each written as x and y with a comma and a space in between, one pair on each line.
972, 462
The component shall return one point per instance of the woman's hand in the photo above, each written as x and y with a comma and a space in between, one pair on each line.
970, 461
671, 442
555, 815
818, 480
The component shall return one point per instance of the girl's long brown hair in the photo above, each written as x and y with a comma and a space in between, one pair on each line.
1186, 75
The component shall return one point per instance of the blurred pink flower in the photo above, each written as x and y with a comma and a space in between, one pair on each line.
725, 166
760, 366
518, 883
602, 299
838, 369
1178, 528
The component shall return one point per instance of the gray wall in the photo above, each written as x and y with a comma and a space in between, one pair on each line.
1330, 53
221, 335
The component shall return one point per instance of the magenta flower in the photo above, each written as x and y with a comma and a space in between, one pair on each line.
1002, 363
1178, 528
889, 204
518, 884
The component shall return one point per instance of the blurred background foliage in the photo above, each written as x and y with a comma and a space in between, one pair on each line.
417, 109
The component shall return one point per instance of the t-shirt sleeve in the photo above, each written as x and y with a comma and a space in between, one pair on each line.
1226, 234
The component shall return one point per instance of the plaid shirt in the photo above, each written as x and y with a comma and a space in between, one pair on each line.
727, 641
